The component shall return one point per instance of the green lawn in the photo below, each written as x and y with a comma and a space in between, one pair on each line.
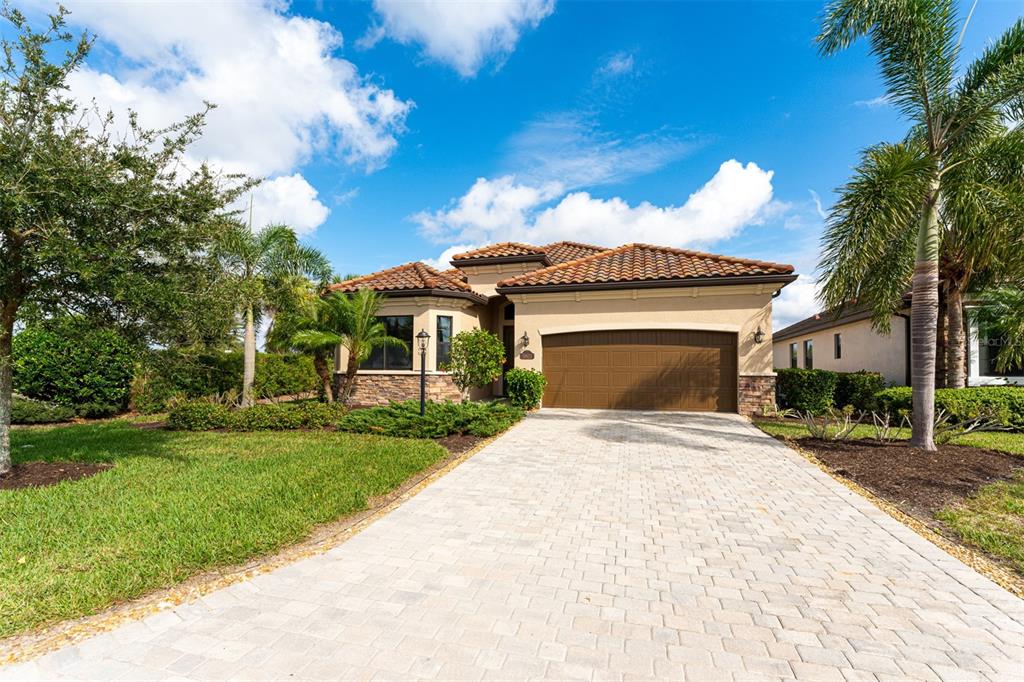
174, 505
992, 519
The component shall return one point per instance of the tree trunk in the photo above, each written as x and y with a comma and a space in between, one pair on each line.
323, 370
956, 340
940, 346
924, 317
350, 378
7, 316
249, 360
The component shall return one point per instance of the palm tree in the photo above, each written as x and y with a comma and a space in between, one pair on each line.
264, 266
894, 200
348, 320
291, 331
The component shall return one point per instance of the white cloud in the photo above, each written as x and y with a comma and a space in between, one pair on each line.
569, 147
502, 209
464, 35
874, 103
796, 302
282, 93
288, 200
444, 261
617, 64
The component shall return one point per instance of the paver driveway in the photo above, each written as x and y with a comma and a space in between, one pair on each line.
599, 545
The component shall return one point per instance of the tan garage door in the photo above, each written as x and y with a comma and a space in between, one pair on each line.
641, 370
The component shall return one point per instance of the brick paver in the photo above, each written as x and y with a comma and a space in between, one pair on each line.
597, 546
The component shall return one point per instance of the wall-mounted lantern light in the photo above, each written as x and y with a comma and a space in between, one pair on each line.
759, 336
525, 340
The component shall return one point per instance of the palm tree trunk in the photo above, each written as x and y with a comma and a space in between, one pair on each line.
323, 370
350, 378
249, 358
6, 382
940, 345
924, 317
956, 343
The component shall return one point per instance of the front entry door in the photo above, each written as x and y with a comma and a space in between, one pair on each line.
508, 338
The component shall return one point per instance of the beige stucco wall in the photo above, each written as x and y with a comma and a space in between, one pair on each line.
741, 309
863, 348
484, 278
465, 315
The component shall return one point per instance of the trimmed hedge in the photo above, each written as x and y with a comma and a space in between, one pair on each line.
27, 411
206, 415
858, 389
806, 390
524, 387
441, 419
1005, 402
71, 362
167, 374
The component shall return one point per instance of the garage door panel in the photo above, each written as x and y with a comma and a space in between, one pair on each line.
642, 370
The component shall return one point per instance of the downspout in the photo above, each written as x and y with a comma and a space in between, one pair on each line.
906, 344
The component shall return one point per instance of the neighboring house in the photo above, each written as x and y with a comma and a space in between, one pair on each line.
632, 327
848, 343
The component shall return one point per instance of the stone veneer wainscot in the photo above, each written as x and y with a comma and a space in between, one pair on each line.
381, 389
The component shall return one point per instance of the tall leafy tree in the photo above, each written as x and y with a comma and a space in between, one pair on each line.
894, 201
104, 222
264, 267
349, 321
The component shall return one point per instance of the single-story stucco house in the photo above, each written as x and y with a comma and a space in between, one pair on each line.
631, 327
847, 342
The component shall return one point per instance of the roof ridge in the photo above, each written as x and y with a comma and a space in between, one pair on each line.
575, 243
716, 256
486, 247
559, 266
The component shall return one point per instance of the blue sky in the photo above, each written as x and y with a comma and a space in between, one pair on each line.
392, 132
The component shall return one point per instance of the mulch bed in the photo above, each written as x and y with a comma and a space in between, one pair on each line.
457, 444
42, 474
918, 482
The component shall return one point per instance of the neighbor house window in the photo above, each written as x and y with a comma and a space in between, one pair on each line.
794, 361
393, 357
444, 340
991, 342
808, 354
837, 342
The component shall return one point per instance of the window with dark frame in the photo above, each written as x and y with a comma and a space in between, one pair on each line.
393, 357
794, 359
809, 354
837, 340
444, 341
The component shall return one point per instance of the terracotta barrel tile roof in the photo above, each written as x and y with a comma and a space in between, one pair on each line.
409, 277
644, 262
563, 252
502, 250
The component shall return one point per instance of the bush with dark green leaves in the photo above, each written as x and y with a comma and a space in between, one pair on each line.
806, 390
27, 411
524, 387
205, 415
199, 415
858, 389
1004, 403
72, 362
475, 359
441, 419
168, 374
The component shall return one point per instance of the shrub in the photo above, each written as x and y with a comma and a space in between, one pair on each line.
1005, 404
166, 374
27, 411
806, 390
266, 417
524, 387
199, 415
858, 390
441, 419
476, 359
71, 362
